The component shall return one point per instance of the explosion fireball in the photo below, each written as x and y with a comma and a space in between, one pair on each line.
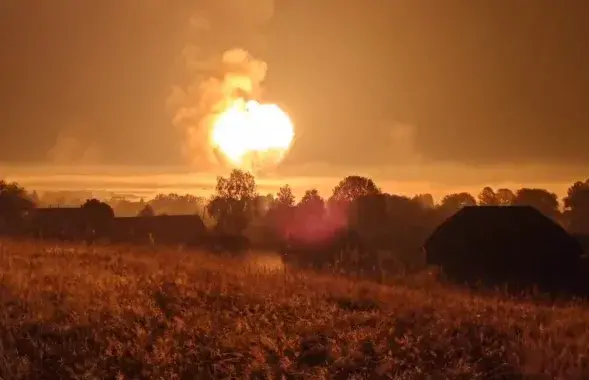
222, 119
252, 135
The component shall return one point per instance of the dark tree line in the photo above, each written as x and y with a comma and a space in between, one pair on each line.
570, 212
355, 203
360, 215
15, 204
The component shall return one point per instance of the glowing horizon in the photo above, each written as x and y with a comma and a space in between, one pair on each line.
149, 181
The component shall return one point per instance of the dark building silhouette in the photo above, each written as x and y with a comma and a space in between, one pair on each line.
515, 245
159, 229
66, 223
583, 240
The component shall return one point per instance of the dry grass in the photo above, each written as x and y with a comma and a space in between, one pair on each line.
121, 313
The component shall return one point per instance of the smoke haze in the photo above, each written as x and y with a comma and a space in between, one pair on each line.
71, 149
455, 94
217, 69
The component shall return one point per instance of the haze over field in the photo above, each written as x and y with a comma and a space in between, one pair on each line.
148, 181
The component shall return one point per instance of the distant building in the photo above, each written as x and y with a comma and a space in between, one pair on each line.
159, 229
58, 222
505, 245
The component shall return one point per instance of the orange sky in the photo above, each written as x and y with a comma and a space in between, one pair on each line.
473, 82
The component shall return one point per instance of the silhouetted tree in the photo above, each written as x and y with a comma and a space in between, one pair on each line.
353, 187
269, 199
408, 225
404, 210
426, 200
232, 205
98, 216
147, 211
284, 197
14, 205
487, 197
289, 223
575, 195
505, 197
543, 200
346, 191
576, 204
454, 202
240, 185
312, 205
34, 197
261, 205
175, 204
281, 214
98, 209
368, 214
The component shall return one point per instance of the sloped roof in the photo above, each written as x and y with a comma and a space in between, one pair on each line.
485, 224
57, 213
57, 210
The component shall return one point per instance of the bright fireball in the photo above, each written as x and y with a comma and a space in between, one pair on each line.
250, 128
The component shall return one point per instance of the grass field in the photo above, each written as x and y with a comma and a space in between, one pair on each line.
127, 313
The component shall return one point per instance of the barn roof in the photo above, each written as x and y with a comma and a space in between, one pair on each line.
58, 212
54, 210
481, 223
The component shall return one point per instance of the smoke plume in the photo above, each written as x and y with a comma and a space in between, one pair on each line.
402, 149
217, 68
70, 149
